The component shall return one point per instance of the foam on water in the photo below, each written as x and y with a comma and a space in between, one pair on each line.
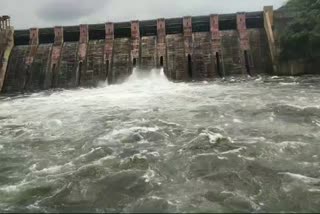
151, 80
151, 139
302, 178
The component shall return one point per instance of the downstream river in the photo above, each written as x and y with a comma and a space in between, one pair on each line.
150, 145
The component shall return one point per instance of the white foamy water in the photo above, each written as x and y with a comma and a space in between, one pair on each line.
153, 145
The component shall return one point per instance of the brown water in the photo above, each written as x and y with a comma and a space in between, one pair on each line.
246, 145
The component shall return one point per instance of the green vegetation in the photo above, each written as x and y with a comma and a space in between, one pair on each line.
301, 38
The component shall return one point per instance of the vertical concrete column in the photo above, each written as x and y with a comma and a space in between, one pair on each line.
33, 46
242, 29
244, 42
268, 26
57, 46
135, 42
161, 45
52, 75
108, 50
161, 39
216, 45
34, 36
187, 34
83, 42
1, 22
7, 37
188, 48
215, 33
269, 10
82, 50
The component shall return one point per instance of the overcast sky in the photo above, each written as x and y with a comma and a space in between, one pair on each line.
49, 13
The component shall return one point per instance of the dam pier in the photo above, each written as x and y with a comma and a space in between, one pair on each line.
187, 48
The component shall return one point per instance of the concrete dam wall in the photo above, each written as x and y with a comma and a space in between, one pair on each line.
188, 48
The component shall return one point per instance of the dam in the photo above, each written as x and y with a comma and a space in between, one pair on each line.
187, 48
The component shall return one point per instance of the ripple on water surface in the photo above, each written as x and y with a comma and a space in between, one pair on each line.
149, 145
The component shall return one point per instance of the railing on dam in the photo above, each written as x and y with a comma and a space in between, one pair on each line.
188, 48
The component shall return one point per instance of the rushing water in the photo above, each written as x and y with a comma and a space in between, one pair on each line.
149, 145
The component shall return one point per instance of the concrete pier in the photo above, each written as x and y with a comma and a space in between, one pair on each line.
6, 45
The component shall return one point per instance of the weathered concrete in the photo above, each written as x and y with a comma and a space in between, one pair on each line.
6, 45
68, 66
148, 59
161, 45
34, 42
121, 63
52, 74
268, 26
135, 43
38, 68
28, 65
176, 57
95, 68
33, 47
16, 75
108, 50
216, 49
231, 53
82, 68
188, 48
202, 64
259, 58
244, 44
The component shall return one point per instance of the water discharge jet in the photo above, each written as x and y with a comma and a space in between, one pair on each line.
153, 76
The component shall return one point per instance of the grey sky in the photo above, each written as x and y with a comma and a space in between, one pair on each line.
48, 13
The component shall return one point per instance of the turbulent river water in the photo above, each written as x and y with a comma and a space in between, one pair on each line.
150, 145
